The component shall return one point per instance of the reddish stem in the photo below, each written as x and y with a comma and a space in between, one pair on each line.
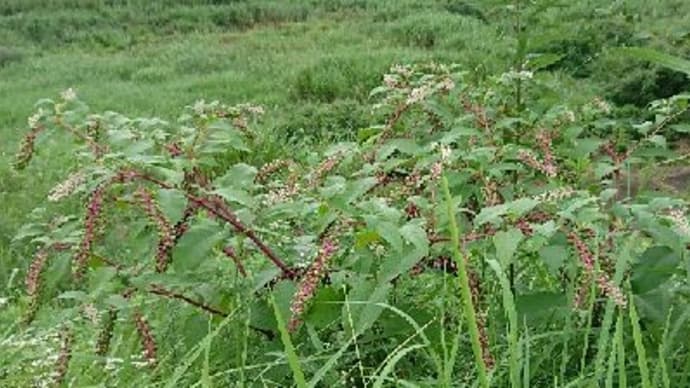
222, 211
159, 290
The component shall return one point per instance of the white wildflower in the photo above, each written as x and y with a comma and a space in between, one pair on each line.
445, 153
69, 95
67, 187
602, 105
418, 94
390, 80
446, 85
35, 118
199, 107
570, 116
523, 75
555, 195
680, 221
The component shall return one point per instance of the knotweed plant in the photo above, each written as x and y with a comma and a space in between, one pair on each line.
189, 218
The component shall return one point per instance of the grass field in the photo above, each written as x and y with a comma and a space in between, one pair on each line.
312, 65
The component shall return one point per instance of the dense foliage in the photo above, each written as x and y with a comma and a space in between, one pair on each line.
368, 223
357, 246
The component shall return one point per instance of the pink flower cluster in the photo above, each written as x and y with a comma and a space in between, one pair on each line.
166, 233
147, 340
605, 284
309, 283
93, 212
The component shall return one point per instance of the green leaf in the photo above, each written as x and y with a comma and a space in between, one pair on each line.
362, 308
118, 301
290, 352
671, 61
236, 195
389, 232
172, 203
539, 305
239, 175
491, 214
395, 265
325, 307
554, 256
414, 233
76, 295
540, 61
506, 244
656, 265
196, 245
681, 128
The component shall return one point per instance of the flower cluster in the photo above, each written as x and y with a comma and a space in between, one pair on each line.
324, 168
146, 336
93, 212
106, 332
555, 195
548, 165
166, 233
270, 168
587, 260
309, 283
26, 151
67, 187
63, 357
680, 221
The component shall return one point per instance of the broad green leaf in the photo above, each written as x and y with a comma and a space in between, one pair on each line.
196, 245
172, 203
540, 305
681, 128
540, 61
506, 244
395, 265
388, 231
491, 214
656, 265
117, 301
76, 295
325, 307
240, 175
362, 305
554, 256
414, 233
237, 195
671, 61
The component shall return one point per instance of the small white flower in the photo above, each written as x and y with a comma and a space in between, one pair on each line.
35, 118
445, 153
4, 301
68, 95
67, 187
390, 80
418, 94
199, 107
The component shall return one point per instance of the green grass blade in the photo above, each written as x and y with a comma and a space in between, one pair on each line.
390, 365
195, 352
465, 292
620, 345
639, 346
290, 353
613, 354
511, 312
604, 333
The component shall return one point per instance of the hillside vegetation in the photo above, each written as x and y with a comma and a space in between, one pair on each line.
349, 193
